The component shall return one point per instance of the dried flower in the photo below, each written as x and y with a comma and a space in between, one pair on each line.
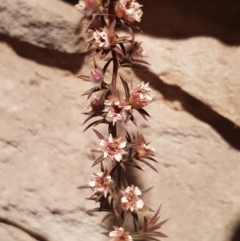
137, 51
88, 6
104, 39
130, 199
143, 149
95, 107
112, 147
101, 183
115, 110
120, 235
129, 10
140, 96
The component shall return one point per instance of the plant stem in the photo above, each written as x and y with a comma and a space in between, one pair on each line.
114, 74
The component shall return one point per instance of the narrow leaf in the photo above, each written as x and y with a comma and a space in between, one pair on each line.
100, 136
100, 159
147, 163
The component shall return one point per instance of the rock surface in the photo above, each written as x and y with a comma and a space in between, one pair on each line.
46, 23
198, 60
45, 156
10, 233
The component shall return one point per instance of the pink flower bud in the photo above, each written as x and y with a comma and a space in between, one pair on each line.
137, 51
140, 96
96, 75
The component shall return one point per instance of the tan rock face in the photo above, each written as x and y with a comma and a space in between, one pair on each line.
203, 59
44, 23
45, 156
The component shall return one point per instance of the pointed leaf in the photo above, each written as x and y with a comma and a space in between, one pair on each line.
118, 50
94, 124
147, 163
83, 186
91, 116
100, 136
106, 217
147, 190
106, 65
100, 159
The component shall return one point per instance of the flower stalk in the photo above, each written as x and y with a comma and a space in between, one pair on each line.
111, 188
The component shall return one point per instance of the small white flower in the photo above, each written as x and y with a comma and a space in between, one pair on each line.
115, 110
130, 199
112, 148
104, 39
102, 181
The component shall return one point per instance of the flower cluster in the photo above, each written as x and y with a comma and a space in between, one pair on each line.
119, 152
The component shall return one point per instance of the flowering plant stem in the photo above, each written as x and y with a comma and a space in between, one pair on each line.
111, 188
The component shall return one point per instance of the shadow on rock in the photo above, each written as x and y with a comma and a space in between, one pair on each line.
226, 128
236, 233
49, 57
184, 19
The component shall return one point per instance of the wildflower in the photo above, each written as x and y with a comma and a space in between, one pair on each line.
129, 10
120, 235
112, 147
130, 199
115, 110
143, 149
101, 183
137, 51
88, 6
140, 96
104, 39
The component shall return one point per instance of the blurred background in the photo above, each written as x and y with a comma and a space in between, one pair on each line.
194, 51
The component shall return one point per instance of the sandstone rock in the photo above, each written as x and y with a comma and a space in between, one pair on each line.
10, 233
45, 157
46, 23
197, 52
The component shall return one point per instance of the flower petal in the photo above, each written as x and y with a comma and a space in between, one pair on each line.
140, 203
118, 157
110, 139
124, 200
112, 234
122, 144
137, 191
92, 183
